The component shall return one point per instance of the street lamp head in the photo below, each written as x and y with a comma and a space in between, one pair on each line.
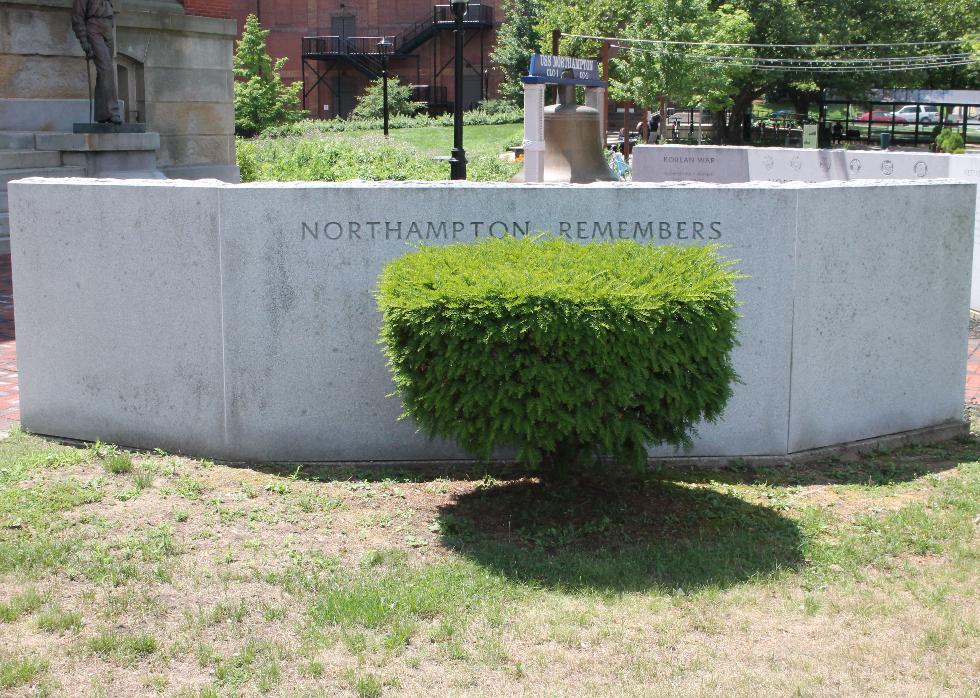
385, 44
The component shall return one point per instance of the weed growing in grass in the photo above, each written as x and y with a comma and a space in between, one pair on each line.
55, 619
256, 659
32, 507
158, 545
313, 668
20, 605
18, 671
390, 597
202, 692
225, 612
34, 555
143, 479
271, 612
101, 450
278, 487
363, 685
118, 463
310, 503
122, 647
181, 515
811, 605
268, 675
400, 634
189, 488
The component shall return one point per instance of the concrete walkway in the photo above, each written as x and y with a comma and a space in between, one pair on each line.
10, 402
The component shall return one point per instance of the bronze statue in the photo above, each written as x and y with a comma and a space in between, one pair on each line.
92, 22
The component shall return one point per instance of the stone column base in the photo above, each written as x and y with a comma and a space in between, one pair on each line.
115, 155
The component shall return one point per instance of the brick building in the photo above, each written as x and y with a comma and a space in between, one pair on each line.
332, 47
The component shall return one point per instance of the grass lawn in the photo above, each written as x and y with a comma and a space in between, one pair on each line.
148, 574
477, 140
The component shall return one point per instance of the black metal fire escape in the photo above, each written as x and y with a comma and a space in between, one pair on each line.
363, 54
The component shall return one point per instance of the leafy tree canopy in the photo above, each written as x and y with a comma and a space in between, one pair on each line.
682, 73
517, 38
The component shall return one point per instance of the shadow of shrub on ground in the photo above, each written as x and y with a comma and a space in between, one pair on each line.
619, 536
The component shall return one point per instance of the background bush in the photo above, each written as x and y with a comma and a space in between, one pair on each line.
340, 158
950, 141
560, 349
474, 117
370, 105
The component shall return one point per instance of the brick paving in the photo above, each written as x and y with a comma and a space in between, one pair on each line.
10, 402
9, 397
973, 372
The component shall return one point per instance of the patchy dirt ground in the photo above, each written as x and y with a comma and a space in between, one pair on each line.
148, 574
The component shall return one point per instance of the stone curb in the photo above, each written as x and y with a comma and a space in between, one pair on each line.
848, 451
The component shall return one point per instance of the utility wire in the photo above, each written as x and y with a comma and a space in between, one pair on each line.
714, 43
820, 61
822, 65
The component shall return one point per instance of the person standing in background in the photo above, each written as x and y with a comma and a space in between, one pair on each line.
654, 125
643, 131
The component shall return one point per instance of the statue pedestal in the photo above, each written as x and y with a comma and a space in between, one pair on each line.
108, 128
123, 151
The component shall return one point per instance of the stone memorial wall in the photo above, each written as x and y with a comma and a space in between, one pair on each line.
728, 164
238, 321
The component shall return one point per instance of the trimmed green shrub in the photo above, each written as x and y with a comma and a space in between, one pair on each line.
557, 349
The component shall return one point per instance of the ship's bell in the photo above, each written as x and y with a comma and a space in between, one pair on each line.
573, 142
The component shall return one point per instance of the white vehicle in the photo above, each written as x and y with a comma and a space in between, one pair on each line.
927, 114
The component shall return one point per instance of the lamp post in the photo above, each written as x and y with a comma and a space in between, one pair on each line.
383, 47
457, 163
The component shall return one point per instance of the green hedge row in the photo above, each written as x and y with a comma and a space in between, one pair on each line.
341, 158
557, 349
312, 127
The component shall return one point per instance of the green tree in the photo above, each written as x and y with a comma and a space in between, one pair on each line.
370, 105
650, 74
640, 76
517, 38
261, 98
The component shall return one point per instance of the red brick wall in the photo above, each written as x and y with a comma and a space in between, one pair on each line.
209, 8
291, 20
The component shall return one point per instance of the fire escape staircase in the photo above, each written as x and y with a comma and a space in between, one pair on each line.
362, 52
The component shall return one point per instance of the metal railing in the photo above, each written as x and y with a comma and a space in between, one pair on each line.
475, 14
440, 17
430, 94
323, 45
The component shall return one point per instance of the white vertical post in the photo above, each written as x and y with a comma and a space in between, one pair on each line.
533, 133
595, 98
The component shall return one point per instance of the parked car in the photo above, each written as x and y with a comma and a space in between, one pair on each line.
879, 116
927, 114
